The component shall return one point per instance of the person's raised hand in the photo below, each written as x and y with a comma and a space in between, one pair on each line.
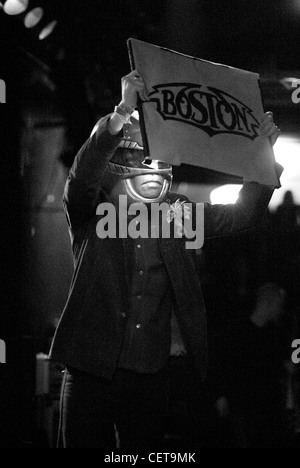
133, 86
268, 128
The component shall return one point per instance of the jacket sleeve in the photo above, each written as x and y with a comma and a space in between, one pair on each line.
82, 189
245, 215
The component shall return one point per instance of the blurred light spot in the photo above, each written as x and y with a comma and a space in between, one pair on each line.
33, 17
226, 194
48, 30
287, 153
15, 7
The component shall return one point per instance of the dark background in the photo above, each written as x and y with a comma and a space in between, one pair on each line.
56, 90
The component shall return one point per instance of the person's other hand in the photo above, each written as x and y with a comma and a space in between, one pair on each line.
268, 128
133, 86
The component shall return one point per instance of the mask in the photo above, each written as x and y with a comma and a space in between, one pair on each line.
128, 173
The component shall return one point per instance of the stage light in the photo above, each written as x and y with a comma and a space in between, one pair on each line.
226, 194
15, 7
287, 150
33, 17
48, 30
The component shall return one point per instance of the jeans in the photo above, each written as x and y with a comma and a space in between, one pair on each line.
95, 412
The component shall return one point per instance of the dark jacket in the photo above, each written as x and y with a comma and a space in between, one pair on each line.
91, 329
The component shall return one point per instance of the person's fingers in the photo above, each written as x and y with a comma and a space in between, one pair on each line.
142, 88
272, 131
132, 85
144, 94
135, 81
266, 120
267, 115
267, 128
133, 74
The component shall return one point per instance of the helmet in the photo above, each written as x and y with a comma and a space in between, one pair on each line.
128, 162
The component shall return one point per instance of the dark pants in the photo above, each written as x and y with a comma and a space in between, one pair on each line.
94, 410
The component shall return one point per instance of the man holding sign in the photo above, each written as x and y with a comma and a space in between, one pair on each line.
114, 336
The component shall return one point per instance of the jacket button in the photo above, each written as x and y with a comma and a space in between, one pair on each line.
123, 315
138, 326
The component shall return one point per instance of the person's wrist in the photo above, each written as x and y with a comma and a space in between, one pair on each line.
129, 109
124, 112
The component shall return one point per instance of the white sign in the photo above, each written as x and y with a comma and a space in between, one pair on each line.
202, 114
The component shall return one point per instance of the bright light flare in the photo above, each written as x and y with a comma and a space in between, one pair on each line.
33, 17
15, 7
48, 30
287, 153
